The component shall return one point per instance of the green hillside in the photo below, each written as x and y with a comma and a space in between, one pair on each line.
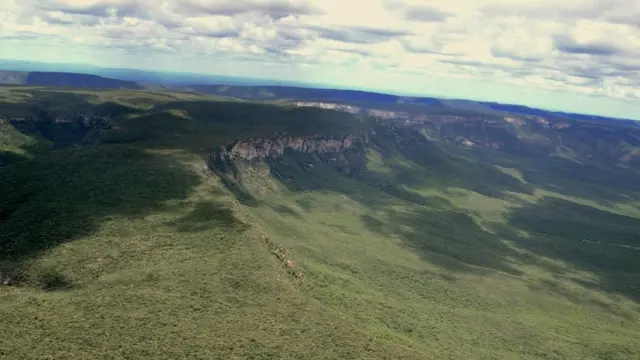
151, 225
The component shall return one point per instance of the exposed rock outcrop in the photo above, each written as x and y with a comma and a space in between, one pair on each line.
261, 148
6, 280
63, 130
264, 156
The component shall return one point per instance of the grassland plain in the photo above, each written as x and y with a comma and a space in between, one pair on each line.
130, 247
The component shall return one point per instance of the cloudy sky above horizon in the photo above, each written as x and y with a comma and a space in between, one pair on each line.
575, 55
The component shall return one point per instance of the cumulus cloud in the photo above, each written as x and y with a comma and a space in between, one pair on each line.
416, 11
588, 47
358, 35
570, 46
275, 9
98, 8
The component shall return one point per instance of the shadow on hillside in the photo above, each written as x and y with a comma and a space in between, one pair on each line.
57, 116
60, 196
57, 198
202, 126
207, 216
431, 225
32, 102
229, 175
604, 244
422, 166
450, 238
416, 162
600, 242
285, 210
244, 120
558, 289
602, 182
28, 147
9, 157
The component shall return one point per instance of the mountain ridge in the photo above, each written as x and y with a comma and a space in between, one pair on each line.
64, 79
584, 140
260, 89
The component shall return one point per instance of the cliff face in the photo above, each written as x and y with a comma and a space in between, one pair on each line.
534, 135
598, 139
63, 131
263, 148
345, 155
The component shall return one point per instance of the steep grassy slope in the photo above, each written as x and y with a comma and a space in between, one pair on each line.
134, 245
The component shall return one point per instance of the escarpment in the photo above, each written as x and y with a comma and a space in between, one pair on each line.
266, 155
261, 148
62, 130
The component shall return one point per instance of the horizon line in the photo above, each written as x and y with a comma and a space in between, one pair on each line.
289, 83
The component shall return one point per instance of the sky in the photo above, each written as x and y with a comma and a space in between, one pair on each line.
572, 55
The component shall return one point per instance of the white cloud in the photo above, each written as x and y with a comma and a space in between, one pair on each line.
586, 47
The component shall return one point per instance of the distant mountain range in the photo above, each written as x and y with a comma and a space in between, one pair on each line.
146, 77
62, 79
19, 73
387, 101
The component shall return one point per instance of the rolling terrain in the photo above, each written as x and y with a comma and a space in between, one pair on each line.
184, 225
